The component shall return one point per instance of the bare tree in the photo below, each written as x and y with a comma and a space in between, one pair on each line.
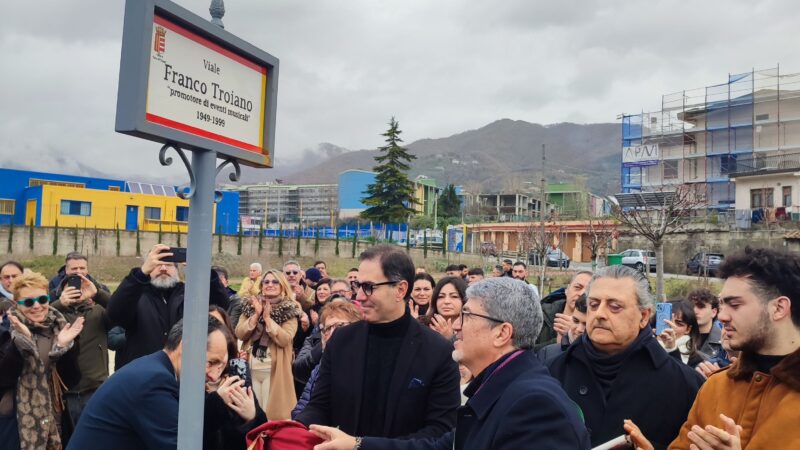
537, 239
656, 215
601, 233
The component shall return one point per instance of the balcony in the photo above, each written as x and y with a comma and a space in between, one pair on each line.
761, 164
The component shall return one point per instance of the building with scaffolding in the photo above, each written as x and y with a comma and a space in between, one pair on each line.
698, 135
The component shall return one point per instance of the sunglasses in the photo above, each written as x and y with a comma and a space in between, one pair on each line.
271, 282
28, 302
291, 272
368, 287
330, 328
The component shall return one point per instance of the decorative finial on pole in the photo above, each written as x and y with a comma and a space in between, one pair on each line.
217, 10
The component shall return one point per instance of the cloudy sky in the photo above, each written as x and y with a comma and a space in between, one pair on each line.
441, 67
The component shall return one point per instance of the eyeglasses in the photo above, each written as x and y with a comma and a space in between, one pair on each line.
470, 313
291, 272
28, 302
368, 287
271, 282
331, 327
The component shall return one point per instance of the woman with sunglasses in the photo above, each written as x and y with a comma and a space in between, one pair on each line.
447, 300
267, 327
40, 353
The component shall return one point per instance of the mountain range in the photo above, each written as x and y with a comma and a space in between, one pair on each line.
503, 155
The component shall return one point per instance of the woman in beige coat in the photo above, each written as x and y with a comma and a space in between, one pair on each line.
267, 326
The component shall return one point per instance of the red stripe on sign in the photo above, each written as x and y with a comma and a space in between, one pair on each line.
206, 43
202, 133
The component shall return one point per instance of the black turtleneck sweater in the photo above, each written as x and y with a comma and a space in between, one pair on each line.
606, 367
384, 341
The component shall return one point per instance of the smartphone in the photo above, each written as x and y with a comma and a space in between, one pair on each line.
74, 281
178, 255
238, 367
663, 312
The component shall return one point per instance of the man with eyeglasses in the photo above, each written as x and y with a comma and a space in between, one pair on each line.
8, 272
387, 376
616, 371
294, 275
513, 401
149, 301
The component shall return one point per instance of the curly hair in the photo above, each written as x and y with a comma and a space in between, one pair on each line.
703, 297
772, 273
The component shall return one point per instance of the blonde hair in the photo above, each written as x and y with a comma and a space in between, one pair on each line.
341, 309
286, 290
30, 280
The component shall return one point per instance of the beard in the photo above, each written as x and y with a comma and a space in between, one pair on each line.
165, 281
759, 336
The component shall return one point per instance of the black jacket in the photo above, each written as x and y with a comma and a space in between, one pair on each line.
652, 389
424, 390
147, 313
520, 406
551, 305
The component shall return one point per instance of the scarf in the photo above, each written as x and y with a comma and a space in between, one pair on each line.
282, 310
38, 396
605, 367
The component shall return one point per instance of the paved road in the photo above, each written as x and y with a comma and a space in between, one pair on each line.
679, 276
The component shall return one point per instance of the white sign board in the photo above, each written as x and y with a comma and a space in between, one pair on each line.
641, 154
198, 87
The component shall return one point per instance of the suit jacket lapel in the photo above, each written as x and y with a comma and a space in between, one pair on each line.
399, 382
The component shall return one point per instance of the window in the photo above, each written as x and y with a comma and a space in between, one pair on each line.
787, 196
76, 208
727, 164
670, 170
37, 182
182, 213
6, 206
151, 213
113, 188
761, 198
692, 168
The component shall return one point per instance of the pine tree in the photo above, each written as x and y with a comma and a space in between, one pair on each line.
425, 243
336, 231
75, 241
408, 238
239, 238
30, 235
391, 197
260, 237
119, 245
355, 241
316, 241
178, 238
449, 207
297, 246
160, 233
138, 243
280, 241
55, 238
219, 238
10, 237
95, 239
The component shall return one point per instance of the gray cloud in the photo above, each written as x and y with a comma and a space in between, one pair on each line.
346, 67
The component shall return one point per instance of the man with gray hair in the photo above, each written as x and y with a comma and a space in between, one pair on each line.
251, 284
617, 370
513, 402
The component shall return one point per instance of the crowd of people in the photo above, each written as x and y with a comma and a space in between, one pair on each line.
388, 357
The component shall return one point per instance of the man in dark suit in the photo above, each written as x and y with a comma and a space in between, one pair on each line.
137, 407
388, 375
513, 402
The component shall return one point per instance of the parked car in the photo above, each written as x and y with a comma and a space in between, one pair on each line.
639, 259
555, 258
488, 249
704, 263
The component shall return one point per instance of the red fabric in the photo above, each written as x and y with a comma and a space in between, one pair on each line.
281, 435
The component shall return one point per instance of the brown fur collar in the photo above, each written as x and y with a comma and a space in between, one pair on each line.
787, 372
